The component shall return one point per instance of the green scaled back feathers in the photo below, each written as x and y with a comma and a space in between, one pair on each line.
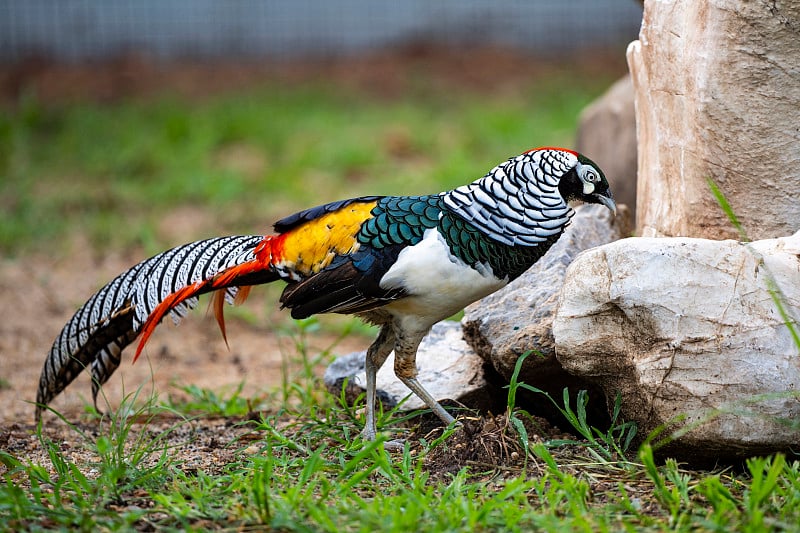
400, 220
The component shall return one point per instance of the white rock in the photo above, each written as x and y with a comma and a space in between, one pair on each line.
717, 91
684, 326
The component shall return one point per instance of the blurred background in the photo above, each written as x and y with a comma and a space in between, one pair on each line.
138, 124
131, 126
290, 29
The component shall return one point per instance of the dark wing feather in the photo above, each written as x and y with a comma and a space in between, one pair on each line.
292, 221
343, 287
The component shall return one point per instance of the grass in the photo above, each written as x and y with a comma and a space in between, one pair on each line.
302, 467
292, 459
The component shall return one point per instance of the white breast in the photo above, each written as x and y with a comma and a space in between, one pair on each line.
438, 283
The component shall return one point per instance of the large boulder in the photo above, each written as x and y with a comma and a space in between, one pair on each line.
518, 318
687, 331
717, 89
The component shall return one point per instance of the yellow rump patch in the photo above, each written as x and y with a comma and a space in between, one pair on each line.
312, 246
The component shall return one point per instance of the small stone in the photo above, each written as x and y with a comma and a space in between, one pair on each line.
252, 450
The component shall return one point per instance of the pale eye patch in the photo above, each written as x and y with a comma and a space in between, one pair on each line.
589, 177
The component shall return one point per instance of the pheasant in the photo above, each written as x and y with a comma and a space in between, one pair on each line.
402, 263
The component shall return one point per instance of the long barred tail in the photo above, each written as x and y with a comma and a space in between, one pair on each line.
136, 300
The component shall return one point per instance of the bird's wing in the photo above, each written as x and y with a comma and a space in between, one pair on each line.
310, 251
338, 254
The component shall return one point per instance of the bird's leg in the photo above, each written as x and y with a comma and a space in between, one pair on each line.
405, 368
377, 353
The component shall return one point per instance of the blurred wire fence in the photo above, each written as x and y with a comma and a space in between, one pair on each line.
74, 30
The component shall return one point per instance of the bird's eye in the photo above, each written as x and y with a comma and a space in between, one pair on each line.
590, 176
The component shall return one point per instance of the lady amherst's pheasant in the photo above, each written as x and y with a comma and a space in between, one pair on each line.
400, 262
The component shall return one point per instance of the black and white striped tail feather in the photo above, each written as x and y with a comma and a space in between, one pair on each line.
111, 319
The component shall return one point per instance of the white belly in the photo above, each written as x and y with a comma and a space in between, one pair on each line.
439, 284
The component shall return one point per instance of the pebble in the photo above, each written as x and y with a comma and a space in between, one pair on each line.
252, 449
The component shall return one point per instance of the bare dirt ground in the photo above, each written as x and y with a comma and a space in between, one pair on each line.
40, 293
388, 74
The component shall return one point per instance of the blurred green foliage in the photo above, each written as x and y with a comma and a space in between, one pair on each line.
114, 172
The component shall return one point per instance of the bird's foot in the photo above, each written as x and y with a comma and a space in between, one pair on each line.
394, 445
368, 433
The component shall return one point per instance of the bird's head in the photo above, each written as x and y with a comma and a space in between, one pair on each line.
583, 180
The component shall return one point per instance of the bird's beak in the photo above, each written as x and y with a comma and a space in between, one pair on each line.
608, 202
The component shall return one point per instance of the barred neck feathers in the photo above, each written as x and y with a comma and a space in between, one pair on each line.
518, 202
